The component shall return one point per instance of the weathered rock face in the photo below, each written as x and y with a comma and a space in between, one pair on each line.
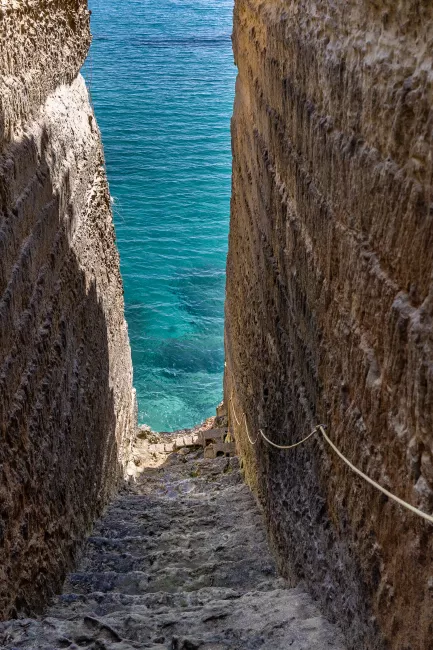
66, 399
330, 298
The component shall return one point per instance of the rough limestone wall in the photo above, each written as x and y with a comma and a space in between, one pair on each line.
66, 399
330, 298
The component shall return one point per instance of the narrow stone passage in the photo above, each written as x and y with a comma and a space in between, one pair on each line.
179, 561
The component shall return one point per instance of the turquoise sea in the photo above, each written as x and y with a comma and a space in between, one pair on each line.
161, 77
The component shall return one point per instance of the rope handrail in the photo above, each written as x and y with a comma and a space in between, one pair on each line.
234, 411
321, 428
389, 494
252, 442
248, 433
296, 444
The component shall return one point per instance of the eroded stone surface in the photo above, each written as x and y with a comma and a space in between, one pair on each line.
66, 400
179, 561
330, 297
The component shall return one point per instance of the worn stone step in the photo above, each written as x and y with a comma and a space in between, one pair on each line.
193, 506
72, 604
167, 513
172, 539
117, 528
104, 604
243, 574
126, 529
272, 620
206, 527
195, 498
123, 559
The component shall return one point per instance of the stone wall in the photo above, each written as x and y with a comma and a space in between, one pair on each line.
66, 398
330, 298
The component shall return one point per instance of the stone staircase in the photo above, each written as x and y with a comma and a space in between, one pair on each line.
179, 561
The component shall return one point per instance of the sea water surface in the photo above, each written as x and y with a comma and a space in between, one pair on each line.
161, 77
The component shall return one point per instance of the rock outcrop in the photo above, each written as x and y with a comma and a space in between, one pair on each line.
66, 397
330, 298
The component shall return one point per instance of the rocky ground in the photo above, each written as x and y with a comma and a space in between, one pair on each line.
179, 561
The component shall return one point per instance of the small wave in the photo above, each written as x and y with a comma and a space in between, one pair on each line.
193, 41
190, 41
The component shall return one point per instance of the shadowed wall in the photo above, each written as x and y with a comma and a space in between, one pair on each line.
66, 398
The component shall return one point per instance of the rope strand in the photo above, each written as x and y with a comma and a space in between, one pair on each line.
234, 412
389, 494
248, 433
320, 428
296, 444
245, 420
